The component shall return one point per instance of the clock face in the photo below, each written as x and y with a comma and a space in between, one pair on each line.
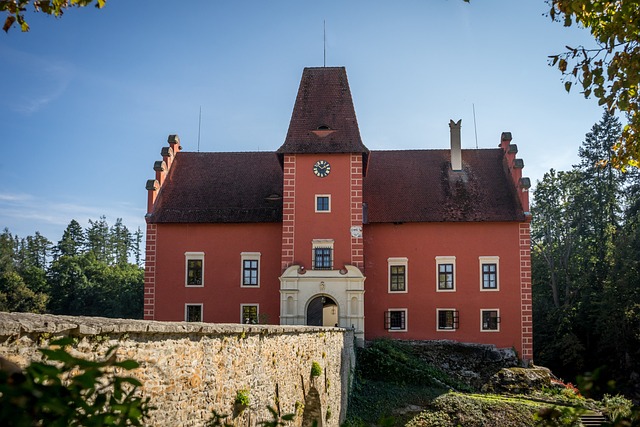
322, 168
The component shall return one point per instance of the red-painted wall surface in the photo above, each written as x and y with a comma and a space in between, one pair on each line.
222, 293
421, 244
310, 224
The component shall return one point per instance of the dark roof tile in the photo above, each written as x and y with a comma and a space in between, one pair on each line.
419, 186
323, 118
221, 188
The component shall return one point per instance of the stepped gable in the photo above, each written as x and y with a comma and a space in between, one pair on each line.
323, 118
221, 188
419, 186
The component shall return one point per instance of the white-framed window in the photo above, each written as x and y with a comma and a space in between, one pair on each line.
249, 313
445, 273
489, 273
398, 274
193, 312
323, 202
250, 269
395, 320
447, 319
490, 320
322, 255
194, 269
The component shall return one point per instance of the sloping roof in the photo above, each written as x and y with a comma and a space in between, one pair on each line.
323, 118
400, 186
221, 188
419, 186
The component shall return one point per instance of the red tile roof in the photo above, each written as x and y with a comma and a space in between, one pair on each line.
419, 186
221, 188
323, 118
400, 186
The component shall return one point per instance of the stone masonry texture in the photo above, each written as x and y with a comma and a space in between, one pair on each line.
190, 369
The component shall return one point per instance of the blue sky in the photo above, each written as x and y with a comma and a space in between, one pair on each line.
88, 100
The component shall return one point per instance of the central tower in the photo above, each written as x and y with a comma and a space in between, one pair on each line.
324, 162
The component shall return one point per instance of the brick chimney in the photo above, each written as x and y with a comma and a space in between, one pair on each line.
456, 145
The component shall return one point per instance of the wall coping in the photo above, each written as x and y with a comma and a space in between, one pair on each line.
16, 324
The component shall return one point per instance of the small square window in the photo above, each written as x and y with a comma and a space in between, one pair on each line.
193, 313
323, 203
249, 313
490, 320
395, 320
447, 319
322, 258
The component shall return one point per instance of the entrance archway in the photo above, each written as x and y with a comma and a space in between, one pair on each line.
322, 311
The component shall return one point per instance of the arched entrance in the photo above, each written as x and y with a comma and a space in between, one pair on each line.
322, 311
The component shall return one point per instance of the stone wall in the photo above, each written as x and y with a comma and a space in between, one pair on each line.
190, 369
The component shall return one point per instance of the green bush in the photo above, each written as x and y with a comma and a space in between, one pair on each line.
316, 369
64, 390
242, 398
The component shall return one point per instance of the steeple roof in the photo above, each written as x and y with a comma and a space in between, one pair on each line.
323, 118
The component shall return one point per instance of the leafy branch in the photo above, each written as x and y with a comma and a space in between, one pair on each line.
15, 9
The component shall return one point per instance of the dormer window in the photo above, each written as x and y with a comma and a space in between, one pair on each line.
322, 131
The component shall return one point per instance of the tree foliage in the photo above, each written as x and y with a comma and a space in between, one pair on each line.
87, 273
585, 256
610, 71
64, 390
15, 9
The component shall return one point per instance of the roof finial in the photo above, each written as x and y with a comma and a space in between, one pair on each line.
324, 42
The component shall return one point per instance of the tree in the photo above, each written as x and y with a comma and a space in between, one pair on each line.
121, 242
610, 71
98, 240
16, 296
15, 9
73, 240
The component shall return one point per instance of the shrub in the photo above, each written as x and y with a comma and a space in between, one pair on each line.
64, 390
242, 398
316, 369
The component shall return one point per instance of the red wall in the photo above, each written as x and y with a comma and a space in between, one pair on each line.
310, 225
222, 294
421, 243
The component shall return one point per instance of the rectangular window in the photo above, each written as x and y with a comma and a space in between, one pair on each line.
395, 320
322, 254
250, 262
397, 274
445, 276
193, 312
397, 282
194, 275
490, 320
323, 203
447, 319
489, 273
249, 313
445, 273
322, 259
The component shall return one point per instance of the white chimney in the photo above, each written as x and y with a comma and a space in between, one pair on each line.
456, 149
